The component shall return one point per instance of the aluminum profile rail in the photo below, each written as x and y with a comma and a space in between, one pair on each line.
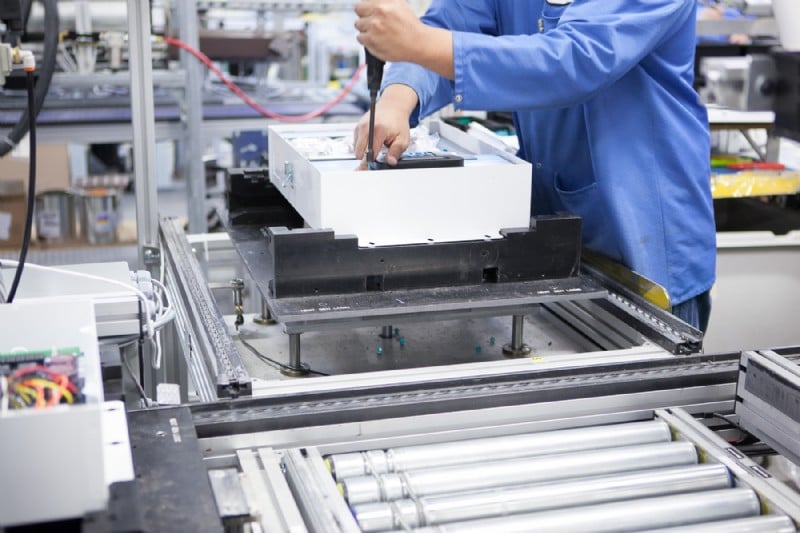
656, 324
768, 399
711, 377
213, 360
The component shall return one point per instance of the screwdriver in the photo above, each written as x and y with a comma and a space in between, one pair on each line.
374, 79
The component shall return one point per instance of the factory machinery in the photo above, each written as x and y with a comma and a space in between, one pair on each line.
585, 449
639, 432
627, 426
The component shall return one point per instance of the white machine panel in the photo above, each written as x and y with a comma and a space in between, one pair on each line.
52, 458
116, 312
492, 191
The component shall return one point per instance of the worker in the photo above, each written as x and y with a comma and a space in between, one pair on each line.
603, 106
713, 10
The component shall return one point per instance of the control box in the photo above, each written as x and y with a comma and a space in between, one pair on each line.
51, 412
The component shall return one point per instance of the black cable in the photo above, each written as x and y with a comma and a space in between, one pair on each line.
273, 361
27, 5
46, 69
136, 382
26, 237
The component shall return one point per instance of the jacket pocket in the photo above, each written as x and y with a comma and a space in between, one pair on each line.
551, 14
579, 197
567, 186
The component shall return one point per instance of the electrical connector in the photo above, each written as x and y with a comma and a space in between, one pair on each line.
28, 60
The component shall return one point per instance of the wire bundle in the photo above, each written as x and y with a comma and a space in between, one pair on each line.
38, 387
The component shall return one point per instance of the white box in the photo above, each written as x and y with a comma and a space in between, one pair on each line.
51, 460
492, 191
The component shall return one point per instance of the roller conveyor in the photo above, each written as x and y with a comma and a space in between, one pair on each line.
621, 516
663, 471
620, 477
540, 497
509, 447
754, 524
483, 475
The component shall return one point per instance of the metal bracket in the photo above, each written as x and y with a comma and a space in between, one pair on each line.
151, 256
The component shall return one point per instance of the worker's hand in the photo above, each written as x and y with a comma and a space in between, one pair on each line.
390, 29
391, 130
391, 124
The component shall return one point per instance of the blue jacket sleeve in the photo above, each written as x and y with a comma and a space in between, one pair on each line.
435, 91
502, 65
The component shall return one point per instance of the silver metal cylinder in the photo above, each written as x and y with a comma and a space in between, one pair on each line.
508, 447
55, 216
433, 510
755, 524
517, 326
294, 350
665, 511
484, 475
385, 516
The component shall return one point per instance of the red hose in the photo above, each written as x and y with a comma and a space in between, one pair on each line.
252, 103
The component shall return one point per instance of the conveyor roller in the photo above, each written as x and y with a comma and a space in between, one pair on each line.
634, 515
433, 510
507, 447
484, 475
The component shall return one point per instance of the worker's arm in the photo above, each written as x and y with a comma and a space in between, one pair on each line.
392, 32
594, 44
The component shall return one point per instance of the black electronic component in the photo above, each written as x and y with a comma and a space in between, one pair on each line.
11, 15
420, 160
374, 79
251, 198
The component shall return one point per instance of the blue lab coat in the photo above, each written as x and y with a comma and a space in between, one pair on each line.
603, 103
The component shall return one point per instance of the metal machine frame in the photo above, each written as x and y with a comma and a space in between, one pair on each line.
251, 438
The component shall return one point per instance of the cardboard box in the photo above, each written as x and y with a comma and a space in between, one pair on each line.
52, 168
12, 213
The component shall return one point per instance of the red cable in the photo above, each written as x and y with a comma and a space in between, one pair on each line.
252, 103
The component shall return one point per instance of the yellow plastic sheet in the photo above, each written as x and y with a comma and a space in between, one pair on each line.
744, 184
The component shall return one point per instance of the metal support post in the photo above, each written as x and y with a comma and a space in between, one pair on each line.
186, 12
387, 332
265, 318
517, 348
140, 64
237, 284
85, 53
296, 368
773, 147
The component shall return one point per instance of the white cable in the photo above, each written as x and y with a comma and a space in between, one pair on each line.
3, 291
160, 286
157, 351
168, 313
131, 289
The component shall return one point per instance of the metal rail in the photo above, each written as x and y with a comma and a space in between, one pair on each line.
210, 353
